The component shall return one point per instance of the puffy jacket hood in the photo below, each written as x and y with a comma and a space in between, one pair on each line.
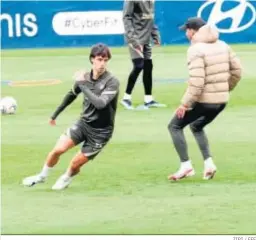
206, 34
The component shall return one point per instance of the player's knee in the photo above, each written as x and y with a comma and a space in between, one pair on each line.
195, 128
173, 127
59, 150
138, 64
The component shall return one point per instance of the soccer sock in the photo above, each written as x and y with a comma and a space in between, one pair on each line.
208, 161
127, 96
147, 76
137, 68
67, 175
186, 164
45, 171
148, 98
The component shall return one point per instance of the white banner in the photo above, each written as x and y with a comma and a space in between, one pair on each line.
88, 23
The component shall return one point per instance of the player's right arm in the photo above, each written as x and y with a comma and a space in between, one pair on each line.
128, 11
67, 100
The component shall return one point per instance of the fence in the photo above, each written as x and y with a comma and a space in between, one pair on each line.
32, 24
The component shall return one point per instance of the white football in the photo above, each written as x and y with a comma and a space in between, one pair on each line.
8, 105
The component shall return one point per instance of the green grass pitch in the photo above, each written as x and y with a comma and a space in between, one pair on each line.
125, 189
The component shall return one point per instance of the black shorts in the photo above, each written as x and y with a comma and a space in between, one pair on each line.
94, 139
147, 52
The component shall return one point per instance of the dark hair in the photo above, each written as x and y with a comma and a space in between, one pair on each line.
101, 50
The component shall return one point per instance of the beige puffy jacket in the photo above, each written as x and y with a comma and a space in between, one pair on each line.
214, 69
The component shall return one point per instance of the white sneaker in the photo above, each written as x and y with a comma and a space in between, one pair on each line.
127, 104
31, 181
154, 104
183, 172
209, 171
62, 183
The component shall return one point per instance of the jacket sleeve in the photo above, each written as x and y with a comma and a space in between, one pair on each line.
155, 34
235, 70
68, 99
100, 102
196, 82
128, 10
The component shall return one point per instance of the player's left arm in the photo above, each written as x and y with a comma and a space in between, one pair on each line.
110, 91
155, 34
235, 69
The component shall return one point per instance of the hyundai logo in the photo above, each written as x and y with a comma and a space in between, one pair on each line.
241, 13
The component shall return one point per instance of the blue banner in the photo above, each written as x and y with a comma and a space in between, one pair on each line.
32, 24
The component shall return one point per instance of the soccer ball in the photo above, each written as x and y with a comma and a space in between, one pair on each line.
8, 105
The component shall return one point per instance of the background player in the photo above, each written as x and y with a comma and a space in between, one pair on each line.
138, 18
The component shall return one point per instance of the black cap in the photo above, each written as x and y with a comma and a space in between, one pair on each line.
193, 23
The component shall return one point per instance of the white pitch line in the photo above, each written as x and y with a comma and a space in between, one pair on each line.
117, 55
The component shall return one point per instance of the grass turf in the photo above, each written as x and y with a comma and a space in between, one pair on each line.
125, 189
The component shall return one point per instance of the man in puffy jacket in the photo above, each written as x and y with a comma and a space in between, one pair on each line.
214, 71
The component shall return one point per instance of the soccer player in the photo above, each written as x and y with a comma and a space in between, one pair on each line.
138, 18
214, 71
96, 124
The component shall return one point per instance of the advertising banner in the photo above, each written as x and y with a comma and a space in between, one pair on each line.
32, 24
